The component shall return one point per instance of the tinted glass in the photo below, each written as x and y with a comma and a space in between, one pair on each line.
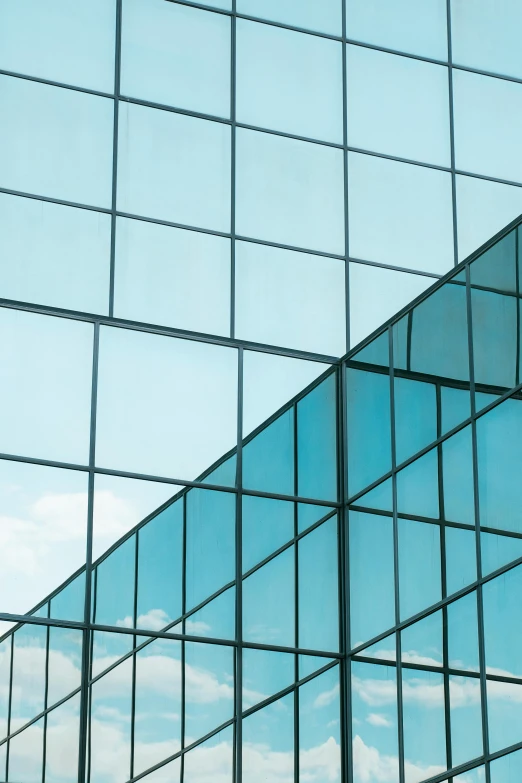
325, 16
317, 442
484, 36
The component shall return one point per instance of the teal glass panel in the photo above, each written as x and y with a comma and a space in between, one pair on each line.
465, 719
457, 473
499, 434
267, 525
160, 554
216, 619
401, 342
65, 663
269, 734
107, 648
368, 427
415, 416
461, 558
59, 42
376, 352
308, 664
455, 407
176, 55
265, 673
494, 338
319, 726
28, 674
5, 680
69, 603
115, 578
507, 769
484, 36
209, 688
210, 556
318, 589
497, 267
324, 17
45, 148
424, 722
174, 167
421, 643
374, 719
268, 459
110, 716
216, 753
503, 623
463, 643
308, 514
498, 551
372, 602
385, 650
269, 602
317, 442
224, 474
379, 498
289, 82
504, 714
418, 487
419, 566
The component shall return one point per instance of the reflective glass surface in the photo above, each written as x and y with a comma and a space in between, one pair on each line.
325, 16
484, 36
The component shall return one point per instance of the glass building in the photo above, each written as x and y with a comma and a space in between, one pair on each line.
231, 552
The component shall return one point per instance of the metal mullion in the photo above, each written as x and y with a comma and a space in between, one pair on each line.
117, 80
46, 700
517, 278
9, 706
233, 33
133, 651
183, 609
419, 272
238, 660
344, 582
296, 597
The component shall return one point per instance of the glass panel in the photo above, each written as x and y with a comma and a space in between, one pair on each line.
173, 277
209, 688
461, 558
268, 735
269, 602
26, 755
288, 298
398, 105
478, 129
374, 723
265, 673
411, 205
506, 769
319, 729
176, 55
421, 643
318, 589
308, 514
377, 351
65, 663
502, 624
457, 467
504, 714
369, 427
325, 16
29, 674
170, 426
404, 25
267, 525
494, 338
107, 648
169, 773
216, 619
115, 578
43, 512
419, 566
498, 551
212, 760
62, 743
44, 146
5, 681
497, 267
484, 36
415, 416
418, 485
289, 82
111, 708
463, 643
424, 724
210, 545
46, 384
268, 459
465, 719
317, 442
372, 601
174, 167
380, 497
290, 191
455, 407
53, 41
308, 664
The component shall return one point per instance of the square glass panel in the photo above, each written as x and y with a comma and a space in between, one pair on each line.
290, 192
396, 210
324, 16
485, 35
174, 167
60, 41
55, 142
289, 81
398, 105
172, 277
176, 55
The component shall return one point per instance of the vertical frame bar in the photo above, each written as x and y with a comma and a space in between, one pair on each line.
238, 685
233, 32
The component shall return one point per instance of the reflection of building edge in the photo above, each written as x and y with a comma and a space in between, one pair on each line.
420, 561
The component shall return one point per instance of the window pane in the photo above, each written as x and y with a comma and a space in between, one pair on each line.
419, 566
29, 674
319, 729
63, 261
65, 663
289, 81
174, 167
488, 125
398, 105
111, 709
26, 754
265, 673
212, 759
269, 602
465, 720
216, 619
504, 714
494, 319
415, 416
418, 488
290, 192
463, 643
424, 724
209, 688
497, 267
172, 277
421, 643
62, 743
484, 35
498, 551
457, 461
404, 25
317, 442
461, 559
288, 298
55, 142
115, 579
410, 206
507, 769
502, 623
267, 525
268, 459
45, 381
268, 734
154, 411
325, 16
176, 55
55, 41
318, 589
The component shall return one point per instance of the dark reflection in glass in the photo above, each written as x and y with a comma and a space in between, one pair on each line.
318, 589
419, 566
269, 602
317, 442
268, 459
268, 737
267, 525
209, 688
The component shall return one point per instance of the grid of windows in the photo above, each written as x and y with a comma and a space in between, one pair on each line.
152, 145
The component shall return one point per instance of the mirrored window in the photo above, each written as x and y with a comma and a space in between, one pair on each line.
504, 714
214, 757
484, 36
318, 589
268, 734
209, 688
424, 723
265, 673
317, 442
325, 17
269, 602
62, 742
419, 566
111, 716
319, 728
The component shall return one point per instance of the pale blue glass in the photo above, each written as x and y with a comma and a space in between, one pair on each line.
63, 742
325, 17
216, 752
404, 25
174, 167
269, 602
419, 566
210, 544
465, 720
398, 106
418, 485
269, 734
412, 205
290, 192
63, 261
486, 141
502, 623
176, 55
268, 459
26, 754
289, 82
497, 551
60, 42
110, 715
216, 619
224, 474
463, 643
308, 664
115, 576
421, 643
504, 714
424, 722
494, 338
372, 601
267, 525
45, 380
5, 679
507, 769
461, 558
317, 442
484, 36
209, 688
319, 724
65, 663
265, 673
457, 474
169, 276
55, 142
108, 647
318, 589
380, 498
28, 674
415, 416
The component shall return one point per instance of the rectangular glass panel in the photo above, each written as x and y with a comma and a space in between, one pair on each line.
317, 442
268, 734
209, 688
269, 602
419, 566
318, 589
424, 724
62, 743
319, 728
484, 36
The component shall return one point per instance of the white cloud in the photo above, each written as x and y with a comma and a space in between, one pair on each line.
372, 766
326, 697
377, 719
